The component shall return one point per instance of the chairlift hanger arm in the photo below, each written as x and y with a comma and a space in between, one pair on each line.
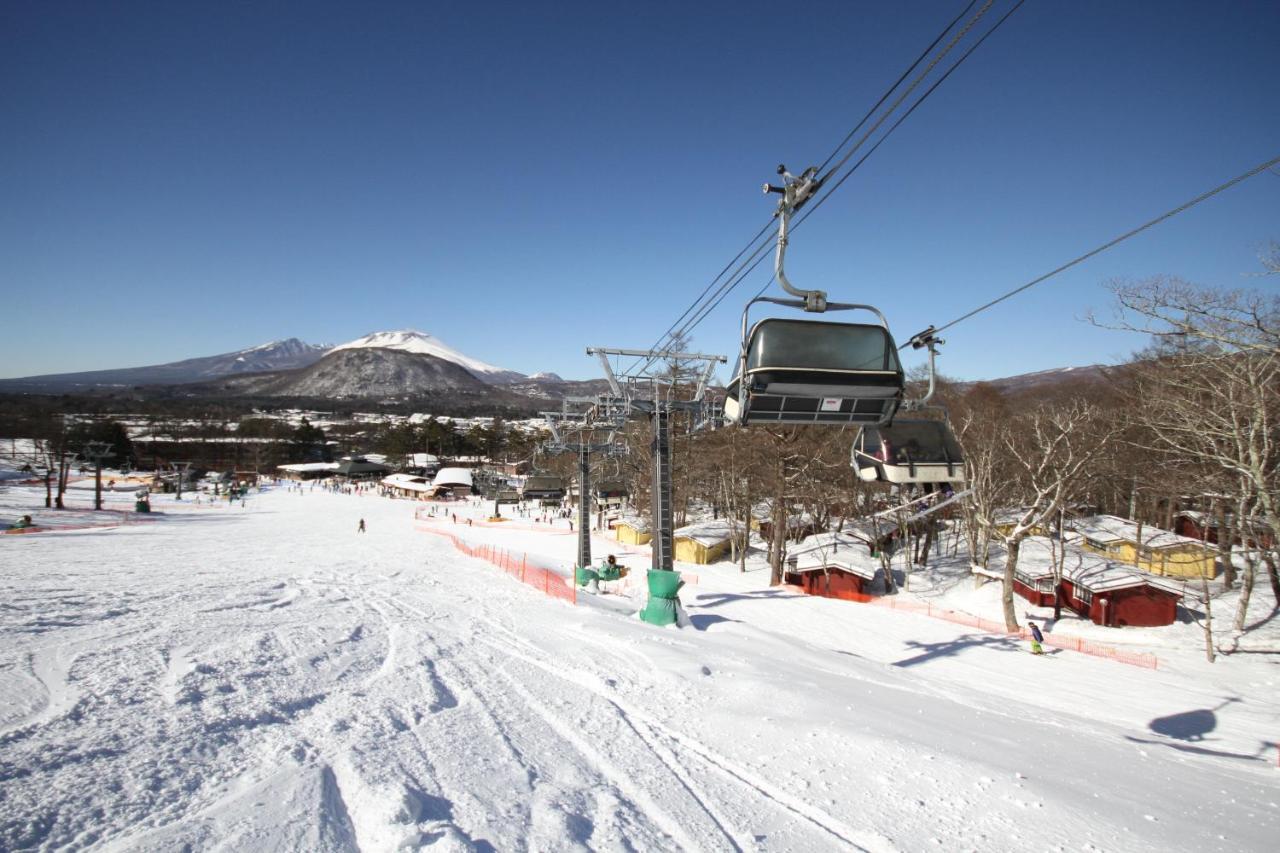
795, 192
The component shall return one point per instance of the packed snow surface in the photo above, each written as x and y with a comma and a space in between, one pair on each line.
263, 677
410, 340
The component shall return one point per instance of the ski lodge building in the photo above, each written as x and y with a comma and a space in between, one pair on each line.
704, 542
307, 470
1204, 528
831, 568
1149, 548
408, 486
455, 481
632, 530
1096, 589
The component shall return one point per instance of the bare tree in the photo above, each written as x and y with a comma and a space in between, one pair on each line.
1209, 389
1051, 448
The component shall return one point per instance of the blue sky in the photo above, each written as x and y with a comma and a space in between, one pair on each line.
525, 180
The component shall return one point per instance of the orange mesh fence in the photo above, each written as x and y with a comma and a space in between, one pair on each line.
550, 582
1075, 644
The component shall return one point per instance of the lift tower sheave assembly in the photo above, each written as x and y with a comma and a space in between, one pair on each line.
575, 432
655, 395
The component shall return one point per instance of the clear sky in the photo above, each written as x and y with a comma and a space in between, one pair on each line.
527, 179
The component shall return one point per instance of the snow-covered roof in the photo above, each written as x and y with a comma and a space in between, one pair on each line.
1110, 528
1085, 569
867, 529
301, 467
453, 477
832, 550
419, 460
635, 522
1009, 515
1200, 518
708, 532
408, 482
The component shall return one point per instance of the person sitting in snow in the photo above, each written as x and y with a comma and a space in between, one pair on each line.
22, 523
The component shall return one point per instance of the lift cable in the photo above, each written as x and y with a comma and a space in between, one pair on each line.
1100, 249
667, 336
956, 39
894, 87
754, 260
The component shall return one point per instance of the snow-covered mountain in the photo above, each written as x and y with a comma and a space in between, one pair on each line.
353, 372
287, 354
420, 343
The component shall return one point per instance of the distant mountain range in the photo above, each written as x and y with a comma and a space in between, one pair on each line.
277, 355
382, 364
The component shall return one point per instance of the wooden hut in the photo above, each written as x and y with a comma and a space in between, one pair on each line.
632, 531
1106, 593
1152, 549
1204, 528
832, 568
704, 542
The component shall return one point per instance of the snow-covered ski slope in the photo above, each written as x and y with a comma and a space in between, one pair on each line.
265, 678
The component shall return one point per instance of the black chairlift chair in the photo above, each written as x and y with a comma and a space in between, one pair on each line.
812, 371
815, 372
908, 452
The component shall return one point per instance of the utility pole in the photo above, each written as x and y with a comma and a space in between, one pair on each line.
97, 451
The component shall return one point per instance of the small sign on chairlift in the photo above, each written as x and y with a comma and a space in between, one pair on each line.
831, 404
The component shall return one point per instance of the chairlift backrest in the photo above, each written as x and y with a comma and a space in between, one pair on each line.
778, 343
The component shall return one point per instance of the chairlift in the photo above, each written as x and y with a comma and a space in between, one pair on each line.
815, 372
910, 451
820, 372
808, 371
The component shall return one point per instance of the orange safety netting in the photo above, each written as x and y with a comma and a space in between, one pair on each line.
1075, 644
550, 582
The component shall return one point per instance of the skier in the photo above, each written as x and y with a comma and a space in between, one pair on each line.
1036, 639
360, 527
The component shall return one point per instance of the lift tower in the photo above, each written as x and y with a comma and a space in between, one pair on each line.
656, 395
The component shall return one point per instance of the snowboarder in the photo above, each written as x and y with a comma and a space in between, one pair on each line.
360, 527
1036, 639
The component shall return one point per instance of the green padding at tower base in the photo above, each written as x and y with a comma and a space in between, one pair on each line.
663, 605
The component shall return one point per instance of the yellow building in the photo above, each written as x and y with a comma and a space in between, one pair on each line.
1159, 551
705, 542
1006, 520
632, 532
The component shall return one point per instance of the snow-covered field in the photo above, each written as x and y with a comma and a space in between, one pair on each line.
263, 677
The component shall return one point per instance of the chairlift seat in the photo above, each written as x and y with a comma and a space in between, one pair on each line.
806, 371
909, 451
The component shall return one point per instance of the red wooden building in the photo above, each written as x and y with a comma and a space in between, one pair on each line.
833, 568
1105, 593
1202, 526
